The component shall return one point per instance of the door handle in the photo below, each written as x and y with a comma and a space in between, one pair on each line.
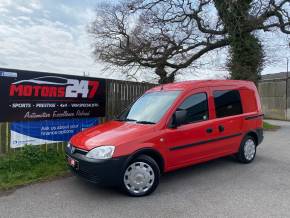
209, 130
221, 128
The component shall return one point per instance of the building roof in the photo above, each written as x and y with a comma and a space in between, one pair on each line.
281, 75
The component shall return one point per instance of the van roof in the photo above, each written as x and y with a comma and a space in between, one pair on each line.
192, 84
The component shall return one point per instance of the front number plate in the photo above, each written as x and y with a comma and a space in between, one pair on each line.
72, 162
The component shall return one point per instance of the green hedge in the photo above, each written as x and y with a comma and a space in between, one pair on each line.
30, 164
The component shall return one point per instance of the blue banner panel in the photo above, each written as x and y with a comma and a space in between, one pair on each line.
47, 131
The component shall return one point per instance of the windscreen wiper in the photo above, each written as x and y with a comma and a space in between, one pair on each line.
145, 122
139, 121
126, 120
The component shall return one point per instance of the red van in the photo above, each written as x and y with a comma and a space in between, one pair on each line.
170, 127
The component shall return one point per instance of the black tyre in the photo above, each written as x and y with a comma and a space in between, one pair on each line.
247, 152
141, 176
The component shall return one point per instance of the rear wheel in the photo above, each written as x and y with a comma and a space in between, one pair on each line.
247, 150
141, 177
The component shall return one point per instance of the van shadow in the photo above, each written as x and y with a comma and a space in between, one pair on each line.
192, 175
208, 167
91, 189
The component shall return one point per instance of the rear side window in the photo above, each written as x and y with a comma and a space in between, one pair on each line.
227, 103
196, 107
249, 97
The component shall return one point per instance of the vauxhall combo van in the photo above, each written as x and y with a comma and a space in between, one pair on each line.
170, 127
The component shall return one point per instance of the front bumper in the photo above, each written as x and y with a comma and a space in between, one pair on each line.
105, 172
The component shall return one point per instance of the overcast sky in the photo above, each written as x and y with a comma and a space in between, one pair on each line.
50, 35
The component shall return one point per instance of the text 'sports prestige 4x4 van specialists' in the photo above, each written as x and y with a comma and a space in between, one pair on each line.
170, 127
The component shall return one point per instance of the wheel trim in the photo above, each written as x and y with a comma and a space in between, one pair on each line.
139, 178
249, 149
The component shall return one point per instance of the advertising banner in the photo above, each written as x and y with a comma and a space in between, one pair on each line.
47, 131
29, 96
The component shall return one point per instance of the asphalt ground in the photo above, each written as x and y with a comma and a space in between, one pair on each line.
219, 188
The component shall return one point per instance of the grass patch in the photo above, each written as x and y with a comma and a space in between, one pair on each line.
270, 127
30, 165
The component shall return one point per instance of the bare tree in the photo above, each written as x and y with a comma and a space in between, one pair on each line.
170, 35
236, 20
130, 36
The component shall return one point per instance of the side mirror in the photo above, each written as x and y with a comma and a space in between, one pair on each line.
178, 118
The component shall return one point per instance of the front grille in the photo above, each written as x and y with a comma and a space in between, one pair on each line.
80, 151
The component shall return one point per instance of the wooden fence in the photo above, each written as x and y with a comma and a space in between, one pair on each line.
120, 94
275, 97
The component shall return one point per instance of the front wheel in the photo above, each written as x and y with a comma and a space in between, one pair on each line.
141, 177
247, 150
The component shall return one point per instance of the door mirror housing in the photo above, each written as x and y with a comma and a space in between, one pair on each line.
178, 118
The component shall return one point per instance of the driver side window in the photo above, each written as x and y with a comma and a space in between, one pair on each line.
196, 107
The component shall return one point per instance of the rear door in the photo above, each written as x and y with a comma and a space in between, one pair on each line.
229, 119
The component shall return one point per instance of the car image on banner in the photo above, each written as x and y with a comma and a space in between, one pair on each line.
48, 80
31, 96
47, 131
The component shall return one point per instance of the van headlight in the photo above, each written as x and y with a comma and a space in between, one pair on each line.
101, 153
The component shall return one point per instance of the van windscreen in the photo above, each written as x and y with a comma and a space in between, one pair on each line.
150, 108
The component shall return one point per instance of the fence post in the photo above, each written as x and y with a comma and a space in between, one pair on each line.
286, 104
287, 96
1, 140
7, 137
